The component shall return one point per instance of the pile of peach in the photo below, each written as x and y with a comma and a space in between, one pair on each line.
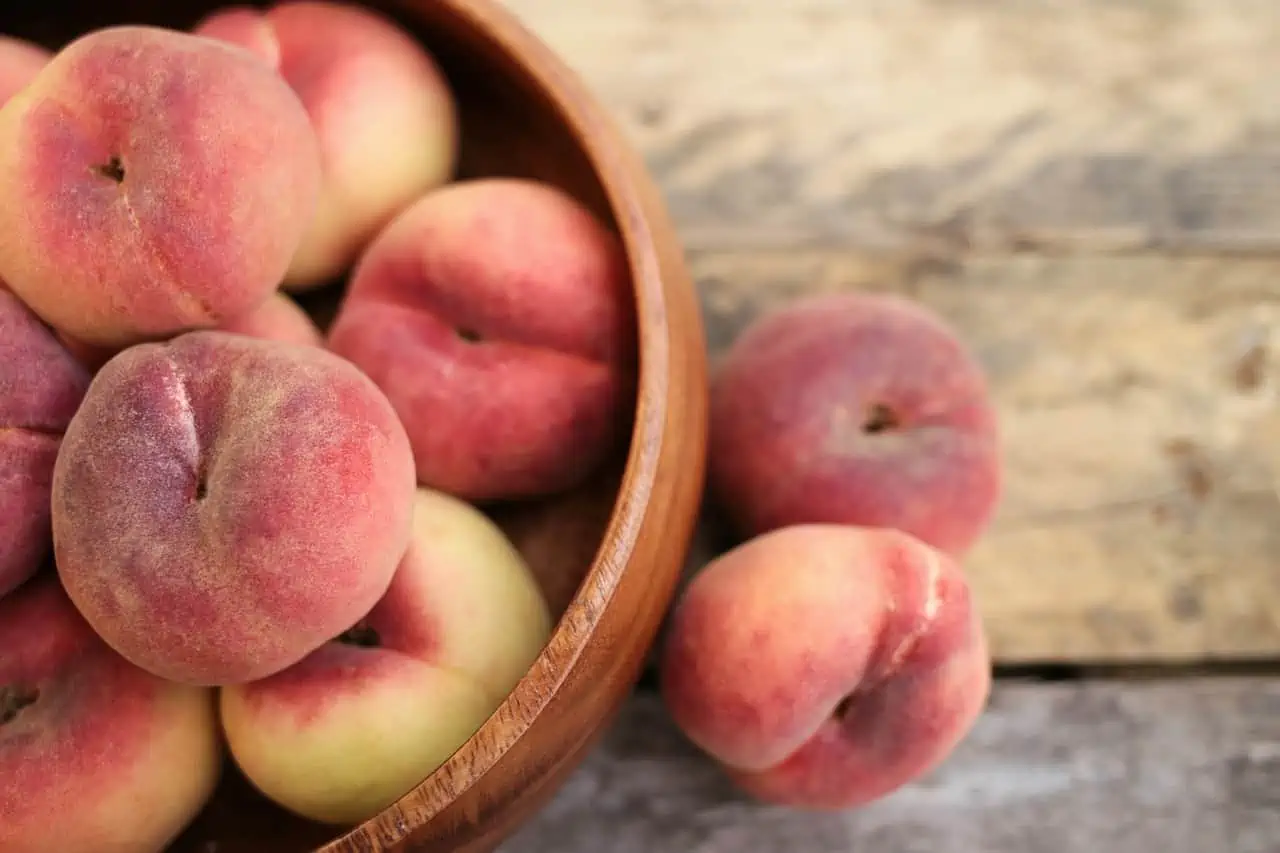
836, 654
224, 530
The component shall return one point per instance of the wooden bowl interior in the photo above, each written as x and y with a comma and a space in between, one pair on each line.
508, 129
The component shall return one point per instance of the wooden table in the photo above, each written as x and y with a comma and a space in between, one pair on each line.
1090, 192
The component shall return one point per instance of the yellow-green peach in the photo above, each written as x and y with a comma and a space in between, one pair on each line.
357, 724
381, 108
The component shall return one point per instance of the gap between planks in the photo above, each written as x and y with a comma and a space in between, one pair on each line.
1185, 766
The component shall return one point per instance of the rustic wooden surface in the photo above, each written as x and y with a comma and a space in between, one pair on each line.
1090, 192
947, 123
1184, 767
1064, 181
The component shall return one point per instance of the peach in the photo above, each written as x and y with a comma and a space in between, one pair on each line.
156, 182
41, 387
380, 106
854, 409
357, 724
224, 505
278, 318
496, 314
20, 62
826, 666
91, 356
96, 755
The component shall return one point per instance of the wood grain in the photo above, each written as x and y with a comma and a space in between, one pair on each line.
955, 123
1184, 767
1137, 397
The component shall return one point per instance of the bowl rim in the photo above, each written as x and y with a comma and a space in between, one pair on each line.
607, 151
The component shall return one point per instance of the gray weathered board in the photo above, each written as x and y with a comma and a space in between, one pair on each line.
1059, 179
988, 124
1185, 767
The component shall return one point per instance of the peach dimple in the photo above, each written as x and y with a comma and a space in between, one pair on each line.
223, 505
157, 182
824, 665
854, 409
497, 316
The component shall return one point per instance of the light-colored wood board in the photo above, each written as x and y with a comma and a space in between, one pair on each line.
1138, 402
904, 123
1180, 767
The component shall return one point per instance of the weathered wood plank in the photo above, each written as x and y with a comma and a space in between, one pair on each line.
944, 122
1179, 767
1138, 401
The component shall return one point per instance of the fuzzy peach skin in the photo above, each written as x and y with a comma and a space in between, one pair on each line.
356, 725
224, 505
20, 62
497, 316
854, 409
96, 755
41, 386
381, 108
278, 318
244, 26
155, 182
826, 666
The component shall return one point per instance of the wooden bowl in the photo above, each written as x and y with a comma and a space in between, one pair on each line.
524, 113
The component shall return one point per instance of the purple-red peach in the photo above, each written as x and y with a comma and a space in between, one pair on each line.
854, 409
96, 755
224, 505
381, 108
497, 316
825, 666
155, 182
41, 386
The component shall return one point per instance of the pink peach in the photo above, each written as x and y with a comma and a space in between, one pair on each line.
826, 666
278, 318
96, 755
224, 505
854, 409
497, 316
20, 62
155, 182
